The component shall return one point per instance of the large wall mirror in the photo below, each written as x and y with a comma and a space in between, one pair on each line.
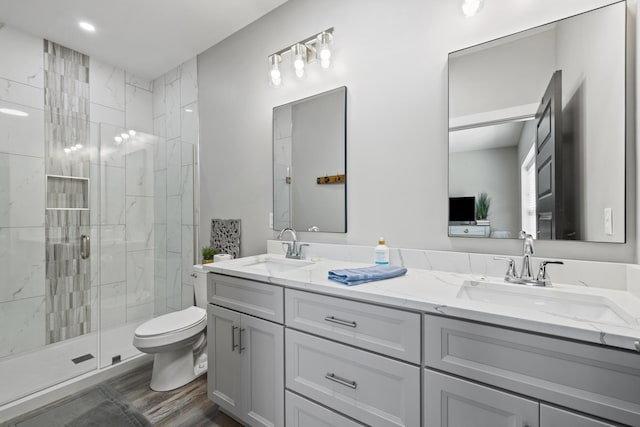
309, 163
537, 132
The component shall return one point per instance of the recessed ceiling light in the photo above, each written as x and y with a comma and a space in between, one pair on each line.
87, 27
13, 112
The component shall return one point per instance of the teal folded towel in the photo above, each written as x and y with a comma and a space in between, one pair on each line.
356, 276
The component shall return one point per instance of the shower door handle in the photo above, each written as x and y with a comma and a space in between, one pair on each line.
85, 247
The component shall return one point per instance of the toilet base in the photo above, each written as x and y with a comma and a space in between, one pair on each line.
173, 369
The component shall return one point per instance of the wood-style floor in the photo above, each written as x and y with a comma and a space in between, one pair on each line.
187, 406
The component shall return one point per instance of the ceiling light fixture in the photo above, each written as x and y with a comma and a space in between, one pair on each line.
471, 7
12, 112
303, 52
87, 26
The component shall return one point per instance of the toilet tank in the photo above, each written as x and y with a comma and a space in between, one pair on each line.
200, 285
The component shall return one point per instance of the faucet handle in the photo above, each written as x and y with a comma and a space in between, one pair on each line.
287, 247
511, 269
542, 271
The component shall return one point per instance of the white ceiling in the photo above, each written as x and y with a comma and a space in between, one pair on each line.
145, 37
486, 137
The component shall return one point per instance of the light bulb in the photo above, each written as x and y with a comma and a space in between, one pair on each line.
67, 150
78, 146
118, 139
132, 132
324, 40
74, 148
274, 70
299, 52
124, 135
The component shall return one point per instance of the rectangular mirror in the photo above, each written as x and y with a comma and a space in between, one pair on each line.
310, 163
537, 131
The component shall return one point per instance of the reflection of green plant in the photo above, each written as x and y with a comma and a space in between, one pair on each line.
208, 252
482, 206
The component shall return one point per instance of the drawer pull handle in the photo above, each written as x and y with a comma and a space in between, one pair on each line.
342, 381
240, 347
233, 338
340, 321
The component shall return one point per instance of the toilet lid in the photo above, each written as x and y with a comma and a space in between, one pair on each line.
172, 322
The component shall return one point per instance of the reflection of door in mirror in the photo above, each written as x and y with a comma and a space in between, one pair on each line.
309, 163
495, 91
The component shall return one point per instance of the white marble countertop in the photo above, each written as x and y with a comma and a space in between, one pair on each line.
437, 292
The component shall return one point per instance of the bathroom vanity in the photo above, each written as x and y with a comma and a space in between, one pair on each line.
289, 347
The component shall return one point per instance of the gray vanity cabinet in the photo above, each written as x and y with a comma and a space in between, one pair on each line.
454, 402
246, 353
582, 377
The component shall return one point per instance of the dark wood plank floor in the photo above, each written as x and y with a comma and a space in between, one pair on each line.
186, 406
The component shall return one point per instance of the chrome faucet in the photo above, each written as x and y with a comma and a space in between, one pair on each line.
294, 249
527, 251
526, 278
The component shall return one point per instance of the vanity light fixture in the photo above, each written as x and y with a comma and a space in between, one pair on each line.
302, 53
471, 7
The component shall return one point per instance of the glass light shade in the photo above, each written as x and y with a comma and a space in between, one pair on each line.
274, 70
324, 49
299, 52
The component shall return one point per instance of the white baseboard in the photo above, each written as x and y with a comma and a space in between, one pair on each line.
51, 394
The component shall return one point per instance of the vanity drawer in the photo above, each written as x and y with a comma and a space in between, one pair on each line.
255, 298
395, 333
370, 388
301, 412
585, 377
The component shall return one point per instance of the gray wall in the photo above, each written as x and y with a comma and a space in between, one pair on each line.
495, 171
397, 118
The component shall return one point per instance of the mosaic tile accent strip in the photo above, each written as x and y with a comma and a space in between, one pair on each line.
225, 236
66, 102
67, 219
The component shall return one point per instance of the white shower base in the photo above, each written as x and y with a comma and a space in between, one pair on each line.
28, 373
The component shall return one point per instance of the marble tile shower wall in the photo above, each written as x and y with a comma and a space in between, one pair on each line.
175, 117
22, 194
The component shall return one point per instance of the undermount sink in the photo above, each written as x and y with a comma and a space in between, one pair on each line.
276, 265
592, 308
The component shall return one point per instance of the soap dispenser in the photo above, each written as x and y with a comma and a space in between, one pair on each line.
381, 252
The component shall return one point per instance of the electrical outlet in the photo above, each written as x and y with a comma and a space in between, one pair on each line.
608, 221
271, 220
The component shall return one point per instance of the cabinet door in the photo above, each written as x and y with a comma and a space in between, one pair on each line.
262, 372
554, 417
301, 412
452, 402
224, 361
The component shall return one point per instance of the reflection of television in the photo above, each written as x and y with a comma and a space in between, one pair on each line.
462, 210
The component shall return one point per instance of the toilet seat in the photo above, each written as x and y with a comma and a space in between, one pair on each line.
170, 328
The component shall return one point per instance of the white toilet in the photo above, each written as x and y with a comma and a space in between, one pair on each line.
178, 341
